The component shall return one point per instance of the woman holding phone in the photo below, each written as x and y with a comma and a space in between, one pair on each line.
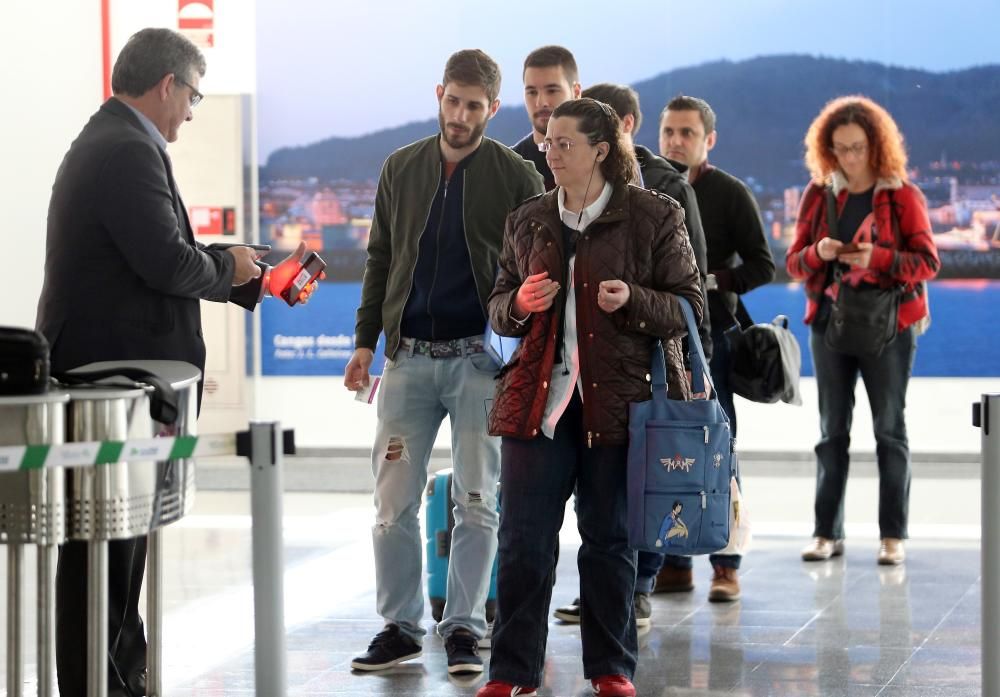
861, 224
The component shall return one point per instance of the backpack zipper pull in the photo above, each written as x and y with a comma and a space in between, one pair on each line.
706, 434
704, 501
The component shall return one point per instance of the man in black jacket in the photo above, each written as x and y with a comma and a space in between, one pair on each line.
124, 279
666, 177
550, 78
739, 260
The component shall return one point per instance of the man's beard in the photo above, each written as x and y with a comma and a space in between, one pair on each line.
541, 128
461, 140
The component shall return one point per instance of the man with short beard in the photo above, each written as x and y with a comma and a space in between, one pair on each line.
440, 210
550, 78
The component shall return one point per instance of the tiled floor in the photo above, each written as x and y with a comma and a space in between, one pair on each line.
841, 628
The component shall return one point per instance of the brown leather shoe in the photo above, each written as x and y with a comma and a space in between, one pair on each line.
890, 552
821, 549
725, 585
674, 580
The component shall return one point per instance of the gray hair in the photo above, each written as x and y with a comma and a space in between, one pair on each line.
149, 55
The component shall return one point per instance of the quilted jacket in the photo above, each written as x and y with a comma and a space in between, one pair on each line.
640, 239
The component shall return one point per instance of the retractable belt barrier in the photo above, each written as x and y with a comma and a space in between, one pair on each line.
95, 453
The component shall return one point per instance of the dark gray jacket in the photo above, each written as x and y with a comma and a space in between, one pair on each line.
124, 277
668, 177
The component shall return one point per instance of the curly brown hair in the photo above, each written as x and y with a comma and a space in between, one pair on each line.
598, 122
886, 150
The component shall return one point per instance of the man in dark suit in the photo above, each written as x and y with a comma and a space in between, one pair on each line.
123, 280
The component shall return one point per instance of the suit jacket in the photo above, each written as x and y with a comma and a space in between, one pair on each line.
123, 273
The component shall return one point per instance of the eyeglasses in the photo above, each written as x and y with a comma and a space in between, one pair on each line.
196, 96
563, 145
856, 149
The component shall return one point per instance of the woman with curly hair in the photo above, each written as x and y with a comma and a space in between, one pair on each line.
861, 224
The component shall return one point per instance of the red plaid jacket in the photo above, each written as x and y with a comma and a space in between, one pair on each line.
907, 261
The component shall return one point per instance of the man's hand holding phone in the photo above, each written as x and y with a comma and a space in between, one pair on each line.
294, 278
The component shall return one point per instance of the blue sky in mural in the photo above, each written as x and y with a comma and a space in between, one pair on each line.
378, 61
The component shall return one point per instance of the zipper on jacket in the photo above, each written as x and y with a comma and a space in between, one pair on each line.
413, 269
468, 247
437, 253
706, 434
590, 435
704, 501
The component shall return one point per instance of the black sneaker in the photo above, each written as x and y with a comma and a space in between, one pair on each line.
462, 648
569, 613
389, 647
643, 611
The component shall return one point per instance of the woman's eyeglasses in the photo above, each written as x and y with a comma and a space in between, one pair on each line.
843, 150
563, 145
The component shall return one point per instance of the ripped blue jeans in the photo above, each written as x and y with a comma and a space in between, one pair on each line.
416, 394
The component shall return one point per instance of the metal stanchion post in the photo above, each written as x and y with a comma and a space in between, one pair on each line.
46, 621
986, 414
15, 656
268, 558
97, 618
154, 614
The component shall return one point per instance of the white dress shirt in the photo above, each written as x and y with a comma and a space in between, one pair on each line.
566, 375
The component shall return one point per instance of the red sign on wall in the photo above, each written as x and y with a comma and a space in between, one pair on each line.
196, 20
213, 220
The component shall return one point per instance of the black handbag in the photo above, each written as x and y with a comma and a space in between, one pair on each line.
24, 361
863, 318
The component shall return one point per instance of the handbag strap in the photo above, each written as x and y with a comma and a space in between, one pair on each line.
700, 374
831, 224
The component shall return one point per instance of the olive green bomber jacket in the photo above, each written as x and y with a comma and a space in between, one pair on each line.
496, 180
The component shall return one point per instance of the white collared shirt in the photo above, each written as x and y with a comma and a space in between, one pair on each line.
566, 375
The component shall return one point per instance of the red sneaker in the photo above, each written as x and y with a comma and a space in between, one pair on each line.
613, 686
495, 688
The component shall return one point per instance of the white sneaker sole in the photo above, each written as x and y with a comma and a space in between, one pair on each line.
465, 668
371, 667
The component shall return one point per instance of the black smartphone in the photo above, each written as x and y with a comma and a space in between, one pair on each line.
312, 266
227, 245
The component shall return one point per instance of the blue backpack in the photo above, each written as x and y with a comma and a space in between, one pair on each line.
680, 461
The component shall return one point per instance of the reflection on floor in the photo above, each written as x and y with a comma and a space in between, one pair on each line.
846, 627
841, 628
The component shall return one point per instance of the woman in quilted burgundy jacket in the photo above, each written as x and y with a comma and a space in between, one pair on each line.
862, 223
589, 275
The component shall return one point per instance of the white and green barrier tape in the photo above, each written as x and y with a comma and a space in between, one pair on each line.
90, 453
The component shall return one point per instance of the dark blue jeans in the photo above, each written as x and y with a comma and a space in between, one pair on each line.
886, 379
649, 563
537, 477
